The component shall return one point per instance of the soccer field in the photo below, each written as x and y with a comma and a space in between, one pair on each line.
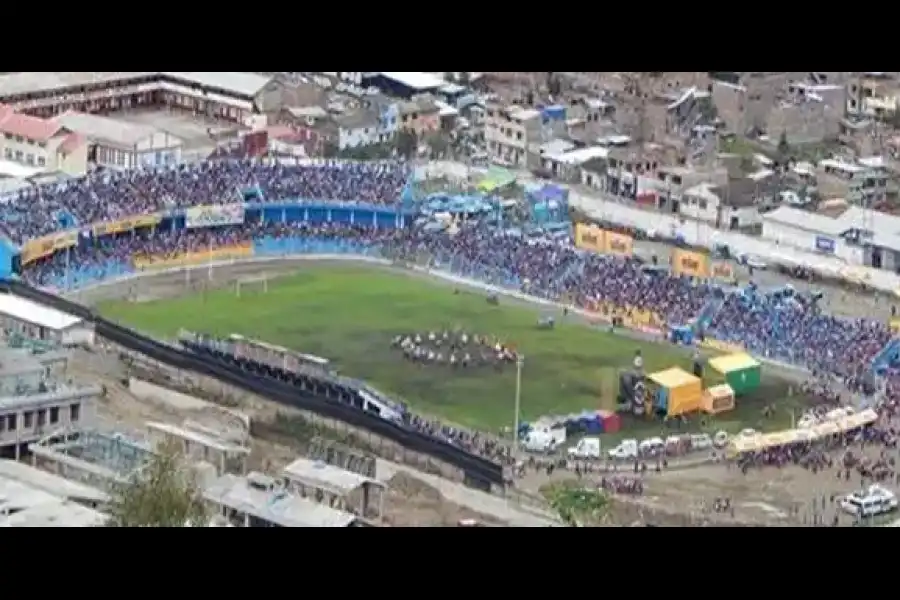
352, 314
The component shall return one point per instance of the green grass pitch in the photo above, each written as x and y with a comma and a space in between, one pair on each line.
350, 314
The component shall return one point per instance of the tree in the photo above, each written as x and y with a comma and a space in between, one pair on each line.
577, 506
329, 149
437, 144
407, 143
554, 85
164, 493
894, 119
783, 147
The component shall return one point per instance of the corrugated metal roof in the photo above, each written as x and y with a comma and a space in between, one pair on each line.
284, 509
245, 84
22, 505
415, 80
36, 314
106, 129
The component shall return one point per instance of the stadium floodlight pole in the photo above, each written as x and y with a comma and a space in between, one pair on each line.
520, 362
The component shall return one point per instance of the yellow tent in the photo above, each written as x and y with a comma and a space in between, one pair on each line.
678, 392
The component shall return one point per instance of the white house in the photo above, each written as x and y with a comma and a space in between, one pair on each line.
728, 207
357, 129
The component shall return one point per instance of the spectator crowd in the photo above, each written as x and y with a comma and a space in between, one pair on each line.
113, 195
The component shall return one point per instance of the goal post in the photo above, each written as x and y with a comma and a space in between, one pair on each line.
252, 283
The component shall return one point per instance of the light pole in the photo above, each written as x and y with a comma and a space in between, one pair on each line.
520, 361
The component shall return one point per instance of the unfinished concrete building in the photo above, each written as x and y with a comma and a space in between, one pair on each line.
34, 402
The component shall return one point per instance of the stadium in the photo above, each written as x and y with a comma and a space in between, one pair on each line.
447, 341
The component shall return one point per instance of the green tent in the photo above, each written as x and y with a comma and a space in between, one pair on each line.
741, 371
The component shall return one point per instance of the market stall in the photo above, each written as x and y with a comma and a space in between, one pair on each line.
718, 399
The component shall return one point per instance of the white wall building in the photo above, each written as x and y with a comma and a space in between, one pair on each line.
36, 321
120, 145
812, 232
31, 145
357, 129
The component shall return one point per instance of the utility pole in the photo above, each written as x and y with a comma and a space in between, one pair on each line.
520, 362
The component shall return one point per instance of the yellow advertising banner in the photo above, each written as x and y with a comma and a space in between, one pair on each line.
692, 264
894, 324
589, 237
723, 271
719, 346
618, 243
152, 263
47, 245
129, 224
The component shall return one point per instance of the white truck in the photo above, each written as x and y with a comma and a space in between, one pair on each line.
626, 450
544, 439
587, 448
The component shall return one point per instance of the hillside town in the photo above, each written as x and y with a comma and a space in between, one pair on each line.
617, 228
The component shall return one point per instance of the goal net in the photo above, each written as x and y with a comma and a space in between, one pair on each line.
252, 284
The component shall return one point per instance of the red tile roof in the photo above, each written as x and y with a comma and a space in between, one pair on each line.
72, 141
33, 128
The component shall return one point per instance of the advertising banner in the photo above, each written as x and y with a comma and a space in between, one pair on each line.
589, 237
894, 325
692, 264
618, 244
723, 271
47, 245
214, 216
188, 259
129, 224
